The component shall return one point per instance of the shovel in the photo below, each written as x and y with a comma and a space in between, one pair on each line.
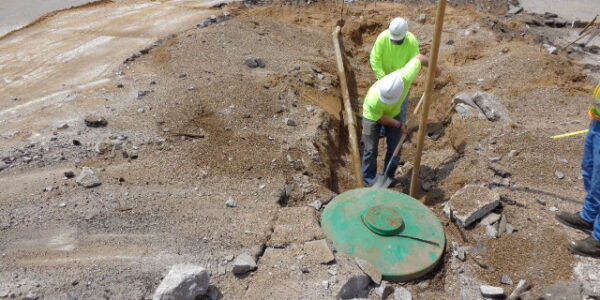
382, 181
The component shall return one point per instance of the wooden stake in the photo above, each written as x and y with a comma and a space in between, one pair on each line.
350, 122
435, 49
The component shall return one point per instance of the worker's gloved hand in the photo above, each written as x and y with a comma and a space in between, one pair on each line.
408, 130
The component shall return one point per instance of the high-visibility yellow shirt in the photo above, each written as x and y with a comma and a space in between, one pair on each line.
374, 109
594, 110
386, 57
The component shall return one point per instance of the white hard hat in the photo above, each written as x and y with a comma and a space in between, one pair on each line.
390, 89
398, 29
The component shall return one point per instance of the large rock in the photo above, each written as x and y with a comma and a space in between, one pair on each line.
466, 107
369, 269
356, 287
87, 178
485, 105
401, 293
472, 203
468, 111
491, 291
491, 106
243, 264
183, 282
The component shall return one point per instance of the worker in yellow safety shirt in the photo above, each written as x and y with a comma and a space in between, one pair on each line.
392, 50
588, 219
382, 108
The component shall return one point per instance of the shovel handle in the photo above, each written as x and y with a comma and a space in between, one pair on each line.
396, 151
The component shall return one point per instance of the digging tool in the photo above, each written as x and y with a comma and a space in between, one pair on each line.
382, 181
435, 49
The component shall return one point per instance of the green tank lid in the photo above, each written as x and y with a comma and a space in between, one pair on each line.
397, 234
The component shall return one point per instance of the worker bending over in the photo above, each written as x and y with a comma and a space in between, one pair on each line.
392, 50
382, 109
588, 219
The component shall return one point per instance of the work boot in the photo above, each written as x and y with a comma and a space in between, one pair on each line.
587, 247
575, 221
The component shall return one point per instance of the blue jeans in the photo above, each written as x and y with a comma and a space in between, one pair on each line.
590, 170
370, 143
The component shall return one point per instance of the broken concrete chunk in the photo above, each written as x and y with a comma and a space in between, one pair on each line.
468, 111
522, 286
499, 170
316, 204
254, 62
95, 121
510, 228
243, 264
87, 178
369, 269
490, 219
230, 202
290, 122
384, 290
491, 106
551, 49
319, 251
183, 282
505, 279
401, 293
472, 203
491, 231
465, 98
485, 104
491, 291
502, 225
356, 287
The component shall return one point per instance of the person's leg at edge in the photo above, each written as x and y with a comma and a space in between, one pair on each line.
591, 207
576, 220
589, 172
370, 142
392, 137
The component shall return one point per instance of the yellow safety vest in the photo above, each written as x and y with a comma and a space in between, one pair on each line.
594, 110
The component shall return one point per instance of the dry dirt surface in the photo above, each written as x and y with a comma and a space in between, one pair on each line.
191, 125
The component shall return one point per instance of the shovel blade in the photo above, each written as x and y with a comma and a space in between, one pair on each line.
381, 182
